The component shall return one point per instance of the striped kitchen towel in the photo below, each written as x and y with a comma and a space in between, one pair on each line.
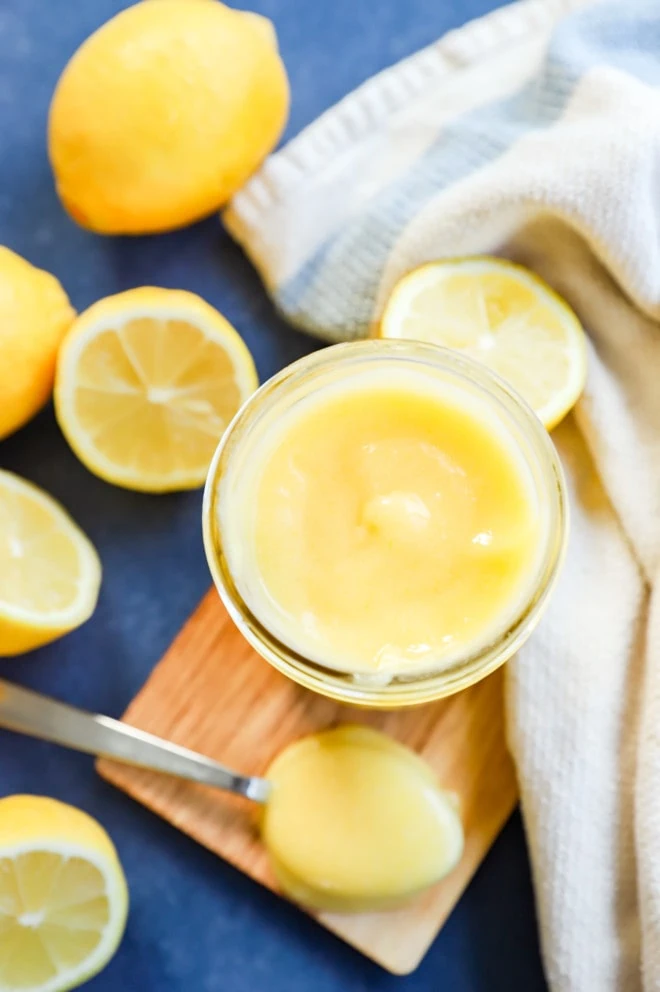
534, 132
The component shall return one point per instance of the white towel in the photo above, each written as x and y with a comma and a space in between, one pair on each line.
534, 132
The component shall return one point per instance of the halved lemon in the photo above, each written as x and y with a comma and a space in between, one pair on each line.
63, 896
146, 383
49, 571
504, 316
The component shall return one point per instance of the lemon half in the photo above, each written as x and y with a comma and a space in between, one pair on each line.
49, 571
146, 384
63, 896
504, 316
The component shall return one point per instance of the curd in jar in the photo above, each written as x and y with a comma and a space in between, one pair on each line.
386, 515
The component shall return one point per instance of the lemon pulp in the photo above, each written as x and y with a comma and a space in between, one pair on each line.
146, 383
49, 571
504, 316
63, 898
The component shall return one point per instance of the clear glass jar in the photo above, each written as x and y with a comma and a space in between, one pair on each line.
334, 364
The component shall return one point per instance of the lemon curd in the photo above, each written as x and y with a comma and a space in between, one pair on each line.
392, 526
384, 514
357, 822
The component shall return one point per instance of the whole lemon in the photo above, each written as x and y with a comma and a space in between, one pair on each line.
163, 113
35, 314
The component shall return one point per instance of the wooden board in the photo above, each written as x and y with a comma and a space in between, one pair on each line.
212, 693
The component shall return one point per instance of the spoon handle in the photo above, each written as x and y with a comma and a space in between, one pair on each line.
30, 713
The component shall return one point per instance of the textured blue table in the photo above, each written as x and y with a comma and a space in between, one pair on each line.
196, 925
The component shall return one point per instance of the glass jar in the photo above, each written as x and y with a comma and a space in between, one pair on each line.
338, 363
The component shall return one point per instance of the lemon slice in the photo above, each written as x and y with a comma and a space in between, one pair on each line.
49, 571
63, 896
501, 314
146, 383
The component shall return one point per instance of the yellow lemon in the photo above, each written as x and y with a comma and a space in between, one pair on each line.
35, 313
63, 896
49, 571
146, 383
163, 113
501, 314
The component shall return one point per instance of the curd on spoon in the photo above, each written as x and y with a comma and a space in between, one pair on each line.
356, 822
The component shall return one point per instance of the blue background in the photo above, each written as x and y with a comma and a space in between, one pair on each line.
196, 925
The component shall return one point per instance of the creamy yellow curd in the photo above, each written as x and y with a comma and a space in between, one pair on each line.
357, 822
384, 521
388, 525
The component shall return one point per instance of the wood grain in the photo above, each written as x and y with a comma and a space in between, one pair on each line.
212, 693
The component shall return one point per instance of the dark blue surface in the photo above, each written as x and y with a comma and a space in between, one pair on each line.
196, 925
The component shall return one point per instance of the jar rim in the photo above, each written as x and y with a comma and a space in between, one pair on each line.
416, 688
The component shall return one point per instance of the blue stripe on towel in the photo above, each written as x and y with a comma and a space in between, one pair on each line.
333, 294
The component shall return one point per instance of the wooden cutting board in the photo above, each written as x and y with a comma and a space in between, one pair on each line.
213, 693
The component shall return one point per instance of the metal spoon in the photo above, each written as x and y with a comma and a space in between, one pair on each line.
31, 713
